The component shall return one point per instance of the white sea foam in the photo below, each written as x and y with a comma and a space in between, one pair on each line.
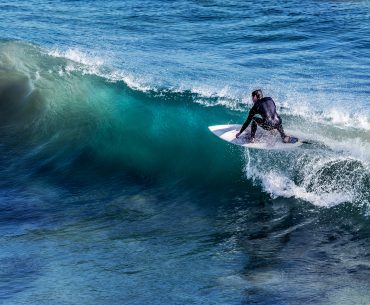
92, 64
333, 116
78, 56
354, 147
323, 179
227, 103
341, 117
130, 80
278, 185
210, 91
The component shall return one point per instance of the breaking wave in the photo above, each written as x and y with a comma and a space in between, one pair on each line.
66, 111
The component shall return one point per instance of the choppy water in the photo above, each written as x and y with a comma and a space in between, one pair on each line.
112, 189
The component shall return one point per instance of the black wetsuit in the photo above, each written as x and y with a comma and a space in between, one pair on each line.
270, 120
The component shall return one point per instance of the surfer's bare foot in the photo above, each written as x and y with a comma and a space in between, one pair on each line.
286, 139
253, 139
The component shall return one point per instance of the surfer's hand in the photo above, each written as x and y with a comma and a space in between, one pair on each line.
237, 135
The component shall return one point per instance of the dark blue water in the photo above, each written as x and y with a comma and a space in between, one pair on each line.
112, 189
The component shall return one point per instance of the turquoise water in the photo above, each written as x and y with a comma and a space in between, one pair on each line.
112, 189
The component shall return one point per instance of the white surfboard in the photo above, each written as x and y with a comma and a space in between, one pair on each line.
264, 139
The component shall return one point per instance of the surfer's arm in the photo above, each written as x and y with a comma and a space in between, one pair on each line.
251, 114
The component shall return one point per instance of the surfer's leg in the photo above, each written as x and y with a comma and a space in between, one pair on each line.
253, 130
255, 121
280, 129
284, 137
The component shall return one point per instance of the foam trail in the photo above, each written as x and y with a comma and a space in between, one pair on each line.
323, 179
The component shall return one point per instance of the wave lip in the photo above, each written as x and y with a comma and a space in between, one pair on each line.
92, 64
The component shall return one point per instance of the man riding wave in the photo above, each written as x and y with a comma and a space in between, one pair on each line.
270, 120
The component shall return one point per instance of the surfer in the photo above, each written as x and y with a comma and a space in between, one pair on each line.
265, 107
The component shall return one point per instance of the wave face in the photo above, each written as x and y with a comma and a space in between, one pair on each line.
60, 113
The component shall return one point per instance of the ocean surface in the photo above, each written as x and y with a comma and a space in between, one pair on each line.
112, 188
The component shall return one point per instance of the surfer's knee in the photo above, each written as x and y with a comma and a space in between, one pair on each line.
257, 121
